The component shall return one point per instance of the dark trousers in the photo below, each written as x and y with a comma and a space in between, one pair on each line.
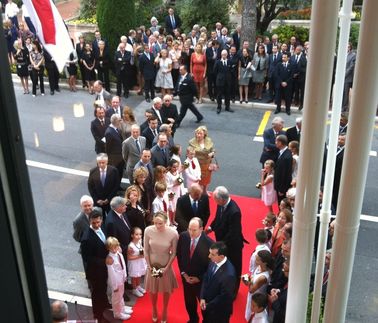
53, 75
214, 317
35, 76
211, 85
82, 72
103, 76
223, 90
184, 108
298, 91
191, 295
272, 89
122, 82
175, 75
233, 85
15, 21
235, 258
118, 162
347, 87
149, 88
283, 93
30, 25
99, 298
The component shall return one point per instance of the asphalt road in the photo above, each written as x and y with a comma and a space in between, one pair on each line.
56, 194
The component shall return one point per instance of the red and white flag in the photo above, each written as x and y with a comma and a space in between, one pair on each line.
50, 30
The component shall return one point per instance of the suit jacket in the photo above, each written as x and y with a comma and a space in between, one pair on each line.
149, 135
236, 39
210, 60
169, 112
147, 66
227, 226
79, 51
184, 211
284, 75
349, 68
270, 151
158, 157
168, 23
113, 142
118, 228
107, 98
234, 64
272, 65
186, 89
300, 67
80, 225
93, 252
283, 172
122, 62
109, 190
104, 61
98, 132
222, 73
110, 111
95, 47
197, 265
292, 134
217, 290
130, 152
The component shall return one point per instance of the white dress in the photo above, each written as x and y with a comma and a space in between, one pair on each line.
192, 175
295, 166
252, 261
178, 190
268, 193
164, 80
136, 267
257, 273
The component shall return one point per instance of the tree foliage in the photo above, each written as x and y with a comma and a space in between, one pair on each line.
87, 8
285, 32
204, 13
115, 18
146, 9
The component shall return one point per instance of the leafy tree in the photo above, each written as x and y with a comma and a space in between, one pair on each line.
205, 13
115, 18
87, 8
285, 32
146, 9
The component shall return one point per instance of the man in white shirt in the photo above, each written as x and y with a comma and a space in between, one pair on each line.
11, 11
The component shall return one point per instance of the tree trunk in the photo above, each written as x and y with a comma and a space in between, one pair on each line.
248, 31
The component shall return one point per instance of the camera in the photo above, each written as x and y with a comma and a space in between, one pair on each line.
141, 252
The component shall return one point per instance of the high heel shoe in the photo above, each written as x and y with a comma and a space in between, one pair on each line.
154, 319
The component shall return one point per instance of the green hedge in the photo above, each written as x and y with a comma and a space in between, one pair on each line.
285, 32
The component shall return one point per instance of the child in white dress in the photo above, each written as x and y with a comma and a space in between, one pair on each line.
136, 263
191, 168
116, 279
268, 193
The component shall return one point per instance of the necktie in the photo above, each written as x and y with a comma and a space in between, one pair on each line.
193, 165
251, 318
137, 145
213, 270
192, 247
195, 207
274, 57
173, 22
214, 53
101, 235
224, 63
124, 220
163, 153
297, 58
120, 260
165, 206
102, 177
155, 132
102, 123
221, 211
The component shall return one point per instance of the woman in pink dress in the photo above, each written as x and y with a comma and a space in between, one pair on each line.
268, 193
198, 68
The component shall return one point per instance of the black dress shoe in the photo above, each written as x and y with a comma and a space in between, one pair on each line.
288, 112
52, 92
277, 111
230, 110
148, 100
218, 110
57, 90
199, 120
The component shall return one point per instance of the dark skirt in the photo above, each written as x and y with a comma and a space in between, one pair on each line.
22, 70
72, 69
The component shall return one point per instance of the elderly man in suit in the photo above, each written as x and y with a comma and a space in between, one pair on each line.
114, 108
101, 94
172, 21
81, 222
218, 286
132, 148
145, 161
284, 83
186, 90
98, 128
113, 144
193, 204
294, 133
156, 109
169, 112
148, 70
159, 152
192, 255
94, 252
227, 228
283, 169
122, 62
103, 182
222, 71
349, 75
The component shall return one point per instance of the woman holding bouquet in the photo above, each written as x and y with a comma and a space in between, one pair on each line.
160, 243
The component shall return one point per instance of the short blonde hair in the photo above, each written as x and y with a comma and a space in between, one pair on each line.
160, 187
139, 172
111, 242
202, 128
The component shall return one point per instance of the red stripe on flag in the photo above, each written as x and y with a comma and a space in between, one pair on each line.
46, 17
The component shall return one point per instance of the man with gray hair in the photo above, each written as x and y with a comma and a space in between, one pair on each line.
294, 133
113, 144
227, 228
59, 312
81, 222
156, 109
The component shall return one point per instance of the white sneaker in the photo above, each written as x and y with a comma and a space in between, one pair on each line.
141, 289
122, 316
137, 293
127, 310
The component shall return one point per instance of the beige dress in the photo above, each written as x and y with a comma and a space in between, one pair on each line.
160, 247
202, 154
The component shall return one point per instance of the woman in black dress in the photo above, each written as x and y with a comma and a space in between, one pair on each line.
89, 63
103, 64
146, 193
37, 61
21, 57
135, 212
72, 69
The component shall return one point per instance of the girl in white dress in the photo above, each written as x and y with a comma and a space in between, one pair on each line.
164, 76
192, 168
136, 263
294, 148
268, 193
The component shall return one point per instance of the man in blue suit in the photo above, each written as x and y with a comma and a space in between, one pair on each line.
147, 68
274, 59
218, 286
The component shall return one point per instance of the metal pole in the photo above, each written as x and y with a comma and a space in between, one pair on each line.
356, 158
345, 19
318, 85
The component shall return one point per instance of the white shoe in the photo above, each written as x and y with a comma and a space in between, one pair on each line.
137, 293
127, 310
122, 316
128, 307
141, 289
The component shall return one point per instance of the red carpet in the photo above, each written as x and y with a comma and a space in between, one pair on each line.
253, 212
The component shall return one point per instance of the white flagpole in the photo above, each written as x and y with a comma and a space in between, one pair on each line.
355, 165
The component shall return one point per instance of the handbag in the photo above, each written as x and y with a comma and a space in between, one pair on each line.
214, 166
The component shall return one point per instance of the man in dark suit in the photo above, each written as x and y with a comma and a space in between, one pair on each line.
147, 114
81, 222
103, 182
52, 72
159, 152
172, 21
349, 75
218, 286
223, 81
156, 108
193, 259
212, 55
148, 70
227, 228
151, 132
294, 133
98, 128
186, 90
115, 108
270, 150
236, 37
95, 42
234, 69
283, 169
122, 62
169, 112
94, 252
114, 144
284, 84
299, 61
274, 59
193, 204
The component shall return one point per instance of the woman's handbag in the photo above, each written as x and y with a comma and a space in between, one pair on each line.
214, 166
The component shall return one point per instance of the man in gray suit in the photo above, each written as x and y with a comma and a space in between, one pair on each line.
159, 152
132, 148
81, 222
349, 74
